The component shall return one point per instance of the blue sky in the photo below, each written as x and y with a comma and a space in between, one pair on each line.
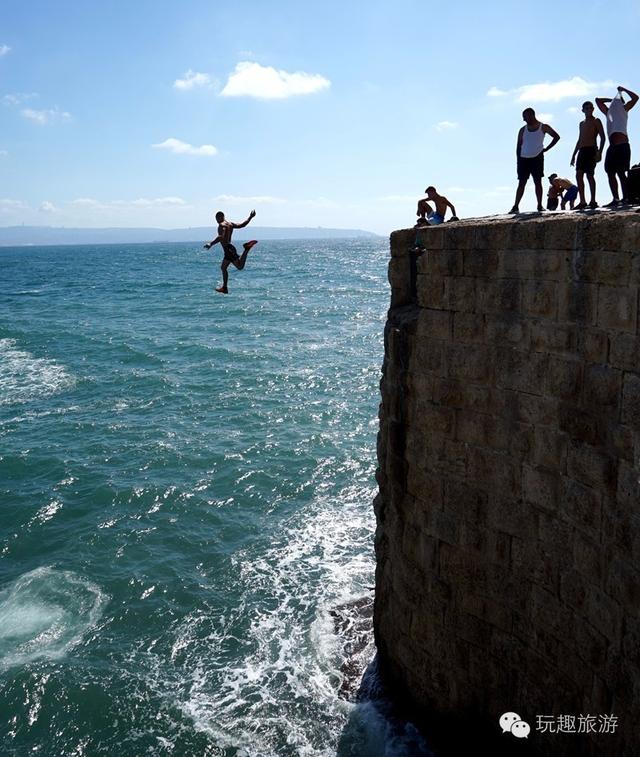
154, 113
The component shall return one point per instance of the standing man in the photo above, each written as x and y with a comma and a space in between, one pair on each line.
530, 151
618, 158
225, 230
588, 154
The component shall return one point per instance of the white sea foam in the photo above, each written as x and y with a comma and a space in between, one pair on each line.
44, 614
24, 377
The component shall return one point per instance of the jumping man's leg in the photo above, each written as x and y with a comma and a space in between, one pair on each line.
225, 276
240, 262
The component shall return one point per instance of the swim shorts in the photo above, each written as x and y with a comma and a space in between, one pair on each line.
531, 167
618, 158
230, 252
435, 219
586, 160
570, 194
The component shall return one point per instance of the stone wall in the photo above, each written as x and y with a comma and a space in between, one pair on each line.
508, 540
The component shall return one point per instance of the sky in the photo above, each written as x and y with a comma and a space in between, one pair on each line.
327, 113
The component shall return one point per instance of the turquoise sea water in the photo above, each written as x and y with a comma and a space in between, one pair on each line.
186, 485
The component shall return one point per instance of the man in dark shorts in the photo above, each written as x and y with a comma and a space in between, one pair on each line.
530, 151
231, 257
617, 161
588, 153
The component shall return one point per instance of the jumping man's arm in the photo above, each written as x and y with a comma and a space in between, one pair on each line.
632, 95
601, 102
244, 223
209, 245
553, 134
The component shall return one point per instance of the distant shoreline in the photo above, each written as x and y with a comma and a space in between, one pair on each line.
42, 236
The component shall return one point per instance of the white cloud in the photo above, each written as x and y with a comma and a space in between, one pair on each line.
141, 202
47, 116
179, 147
545, 118
447, 125
4, 49
573, 109
267, 83
193, 79
554, 91
18, 98
255, 199
7, 205
47, 207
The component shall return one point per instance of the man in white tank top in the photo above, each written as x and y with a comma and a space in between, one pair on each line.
530, 152
618, 158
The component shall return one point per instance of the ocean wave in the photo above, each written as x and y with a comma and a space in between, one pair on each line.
44, 614
24, 377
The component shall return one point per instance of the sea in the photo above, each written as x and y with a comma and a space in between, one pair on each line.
186, 488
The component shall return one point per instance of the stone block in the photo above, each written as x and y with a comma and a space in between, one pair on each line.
601, 267
440, 263
482, 263
498, 296
528, 235
521, 371
428, 356
462, 294
508, 327
539, 299
481, 429
564, 378
618, 308
577, 302
551, 337
495, 471
401, 242
602, 386
432, 292
469, 362
549, 448
588, 558
533, 409
579, 425
593, 345
468, 327
561, 233
625, 352
631, 400
430, 237
623, 585
540, 487
493, 236
434, 324
592, 466
465, 502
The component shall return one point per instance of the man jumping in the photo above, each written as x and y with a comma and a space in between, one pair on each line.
225, 230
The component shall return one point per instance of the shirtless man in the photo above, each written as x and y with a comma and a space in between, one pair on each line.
437, 217
530, 152
561, 189
618, 158
589, 153
225, 230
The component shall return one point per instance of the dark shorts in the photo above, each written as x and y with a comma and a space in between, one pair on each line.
571, 194
586, 161
531, 167
618, 158
230, 252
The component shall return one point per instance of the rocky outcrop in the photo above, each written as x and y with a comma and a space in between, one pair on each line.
508, 539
